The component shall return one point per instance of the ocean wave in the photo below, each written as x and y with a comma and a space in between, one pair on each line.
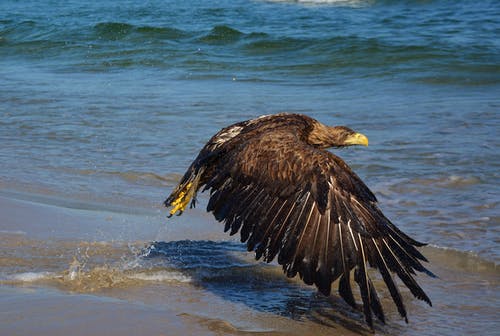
95, 279
188, 254
119, 30
93, 267
460, 260
80, 266
225, 48
130, 176
161, 276
12, 232
451, 181
341, 3
222, 34
270, 45
113, 30
429, 185
31, 276
222, 267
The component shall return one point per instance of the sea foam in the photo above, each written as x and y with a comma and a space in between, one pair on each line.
31, 276
161, 276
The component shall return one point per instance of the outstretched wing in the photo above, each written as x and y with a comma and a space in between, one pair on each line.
306, 206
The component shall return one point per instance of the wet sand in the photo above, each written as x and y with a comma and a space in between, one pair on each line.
79, 271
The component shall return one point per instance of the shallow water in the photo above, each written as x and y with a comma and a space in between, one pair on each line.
103, 106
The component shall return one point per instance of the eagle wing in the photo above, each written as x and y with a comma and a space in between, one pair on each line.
307, 207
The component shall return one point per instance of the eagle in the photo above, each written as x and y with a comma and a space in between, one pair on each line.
272, 179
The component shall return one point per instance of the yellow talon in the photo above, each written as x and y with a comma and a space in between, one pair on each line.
182, 201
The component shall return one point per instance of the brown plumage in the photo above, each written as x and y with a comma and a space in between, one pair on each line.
272, 180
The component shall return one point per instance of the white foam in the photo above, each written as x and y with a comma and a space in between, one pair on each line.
31, 276
350, 3
167, 276
16, 232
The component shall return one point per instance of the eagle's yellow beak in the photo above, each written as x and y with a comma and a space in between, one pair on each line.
356, 139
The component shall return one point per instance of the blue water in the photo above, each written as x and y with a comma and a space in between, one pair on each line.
104, 104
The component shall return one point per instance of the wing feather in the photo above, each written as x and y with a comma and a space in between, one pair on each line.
306, 206
389, 281
260, 233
